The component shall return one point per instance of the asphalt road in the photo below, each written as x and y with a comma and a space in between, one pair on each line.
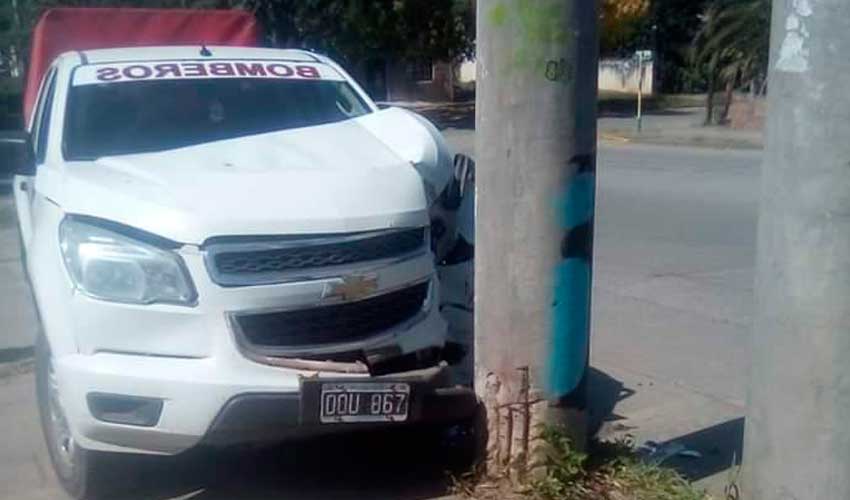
675, 246
673, 295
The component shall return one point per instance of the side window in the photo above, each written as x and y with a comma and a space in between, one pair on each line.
348, 102
42, 125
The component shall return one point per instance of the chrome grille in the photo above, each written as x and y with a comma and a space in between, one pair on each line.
334, 324
237, 262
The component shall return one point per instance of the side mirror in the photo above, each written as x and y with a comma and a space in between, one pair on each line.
17, 156
455, 216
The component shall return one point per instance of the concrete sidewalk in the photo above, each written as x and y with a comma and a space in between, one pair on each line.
672, 127
677, 127
18, 326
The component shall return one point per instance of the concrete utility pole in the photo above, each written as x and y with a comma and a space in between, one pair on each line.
639, 117
797, 442
535, 144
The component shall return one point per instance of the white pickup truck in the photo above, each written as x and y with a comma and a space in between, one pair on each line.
230, 245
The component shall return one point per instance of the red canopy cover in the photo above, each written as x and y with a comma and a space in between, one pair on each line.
62, 29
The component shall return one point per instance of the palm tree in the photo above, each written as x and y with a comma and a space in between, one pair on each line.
733, 44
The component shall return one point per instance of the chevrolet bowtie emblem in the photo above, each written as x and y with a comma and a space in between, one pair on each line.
351, 288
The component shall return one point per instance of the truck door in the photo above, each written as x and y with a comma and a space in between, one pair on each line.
23, 184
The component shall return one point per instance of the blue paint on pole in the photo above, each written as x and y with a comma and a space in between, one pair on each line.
576, 204
570, 337
571, 322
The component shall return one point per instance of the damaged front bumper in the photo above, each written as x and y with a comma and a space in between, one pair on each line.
263, 418
238, 394
149, 405
242, 365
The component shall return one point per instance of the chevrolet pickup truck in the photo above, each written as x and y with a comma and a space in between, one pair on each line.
230, 246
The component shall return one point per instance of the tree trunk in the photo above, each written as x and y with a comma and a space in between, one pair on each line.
709, 104
730, 93
709, 97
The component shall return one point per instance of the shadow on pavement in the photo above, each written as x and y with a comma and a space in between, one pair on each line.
388, 465
15, 354
604, 392
720, 445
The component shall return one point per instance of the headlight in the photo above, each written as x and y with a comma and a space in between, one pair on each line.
108, 265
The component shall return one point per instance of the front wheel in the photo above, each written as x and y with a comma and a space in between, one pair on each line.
80, 472
462, 444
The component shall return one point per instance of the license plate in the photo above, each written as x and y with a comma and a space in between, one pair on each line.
364, 402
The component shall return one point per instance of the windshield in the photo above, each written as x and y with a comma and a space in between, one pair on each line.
143, 116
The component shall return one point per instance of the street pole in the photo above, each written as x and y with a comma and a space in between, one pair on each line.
642, 56
640, 94
537, 67
797, 443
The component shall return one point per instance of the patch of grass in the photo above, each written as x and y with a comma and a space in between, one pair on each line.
625, 102
609, 471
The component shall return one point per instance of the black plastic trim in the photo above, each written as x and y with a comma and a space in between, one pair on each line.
268, 417
126, 410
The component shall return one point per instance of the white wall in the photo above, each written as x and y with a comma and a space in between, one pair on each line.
466, 73
622, 75
618, 75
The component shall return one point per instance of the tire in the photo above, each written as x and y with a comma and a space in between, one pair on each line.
462, 444
82, 473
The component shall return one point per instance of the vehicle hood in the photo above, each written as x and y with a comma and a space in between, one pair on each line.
378, 171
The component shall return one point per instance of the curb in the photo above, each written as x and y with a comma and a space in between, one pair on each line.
697, 141
612, 137
10, 370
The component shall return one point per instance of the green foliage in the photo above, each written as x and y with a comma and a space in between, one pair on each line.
565, 467
676, 23
734, 39
349, 30
624, 26
650, 482
732, 47
356, 30
610, 471
666, 26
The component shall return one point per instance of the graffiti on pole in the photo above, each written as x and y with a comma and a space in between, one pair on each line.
570, 336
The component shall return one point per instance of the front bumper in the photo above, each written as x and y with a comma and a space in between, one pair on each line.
213, 403
261, 418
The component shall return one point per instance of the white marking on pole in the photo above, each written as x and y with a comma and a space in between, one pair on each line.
793, 54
